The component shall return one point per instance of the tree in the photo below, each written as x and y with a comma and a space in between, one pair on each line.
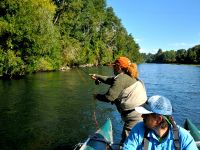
169, 56
42, 36
194, 54
181, 55
29, 37
97, 33
159, 56
191, 56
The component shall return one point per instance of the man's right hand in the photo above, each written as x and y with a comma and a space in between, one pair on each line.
93, 76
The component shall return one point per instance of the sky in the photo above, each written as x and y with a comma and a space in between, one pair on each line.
160, 24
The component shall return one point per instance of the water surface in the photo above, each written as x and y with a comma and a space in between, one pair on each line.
49, 111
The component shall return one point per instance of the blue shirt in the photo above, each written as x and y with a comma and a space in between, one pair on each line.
136, 136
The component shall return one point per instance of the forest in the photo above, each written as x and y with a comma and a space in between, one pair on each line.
181, 56
46, 35
49, 35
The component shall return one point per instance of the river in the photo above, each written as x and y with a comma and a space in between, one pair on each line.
54, 111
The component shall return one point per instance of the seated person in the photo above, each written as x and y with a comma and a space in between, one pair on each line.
158, 131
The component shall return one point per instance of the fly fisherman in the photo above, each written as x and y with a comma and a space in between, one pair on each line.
126, 92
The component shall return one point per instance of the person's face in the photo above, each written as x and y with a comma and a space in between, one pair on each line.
116, 69
151, 121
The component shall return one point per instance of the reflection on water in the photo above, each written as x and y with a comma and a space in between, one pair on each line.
49, 111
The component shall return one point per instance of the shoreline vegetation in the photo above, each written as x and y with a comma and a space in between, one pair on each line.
66, 68
181, 56
42, 36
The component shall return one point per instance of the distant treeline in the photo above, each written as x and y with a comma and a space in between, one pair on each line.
45, 35
182, 56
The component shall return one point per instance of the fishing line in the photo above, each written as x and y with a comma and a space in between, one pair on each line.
94, 100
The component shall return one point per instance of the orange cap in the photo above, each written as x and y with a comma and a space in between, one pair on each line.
122, 62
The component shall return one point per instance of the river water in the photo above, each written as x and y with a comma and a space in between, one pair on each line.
54, 111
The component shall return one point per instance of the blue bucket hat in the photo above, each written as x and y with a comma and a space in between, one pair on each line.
156, 104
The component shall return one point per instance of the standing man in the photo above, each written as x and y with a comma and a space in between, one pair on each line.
158, 130
126, 92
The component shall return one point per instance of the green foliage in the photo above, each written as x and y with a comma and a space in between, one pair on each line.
28, 29
70, 52
181, 55
13, 66
44, 35
169, 57
149, 58
159, 56
97, 34
2, 57
190, 56
193, 55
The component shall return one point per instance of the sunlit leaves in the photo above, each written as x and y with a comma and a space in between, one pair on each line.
44, 35
12, 64
28, 28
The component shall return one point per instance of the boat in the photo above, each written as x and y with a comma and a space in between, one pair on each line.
101, 139
194, 131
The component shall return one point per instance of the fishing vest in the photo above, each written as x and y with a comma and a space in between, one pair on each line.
133, 96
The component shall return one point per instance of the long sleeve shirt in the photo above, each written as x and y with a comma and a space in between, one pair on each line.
117, 85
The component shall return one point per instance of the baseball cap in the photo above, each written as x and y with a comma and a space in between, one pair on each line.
156, 104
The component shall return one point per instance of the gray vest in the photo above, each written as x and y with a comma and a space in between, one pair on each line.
134, 95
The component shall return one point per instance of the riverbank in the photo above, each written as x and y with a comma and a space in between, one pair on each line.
65, 68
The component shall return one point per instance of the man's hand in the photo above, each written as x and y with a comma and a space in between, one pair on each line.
93, 76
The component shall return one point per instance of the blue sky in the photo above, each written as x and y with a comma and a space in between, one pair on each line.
165, 24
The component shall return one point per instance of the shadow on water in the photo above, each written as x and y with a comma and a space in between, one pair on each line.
55, 111
63, 147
